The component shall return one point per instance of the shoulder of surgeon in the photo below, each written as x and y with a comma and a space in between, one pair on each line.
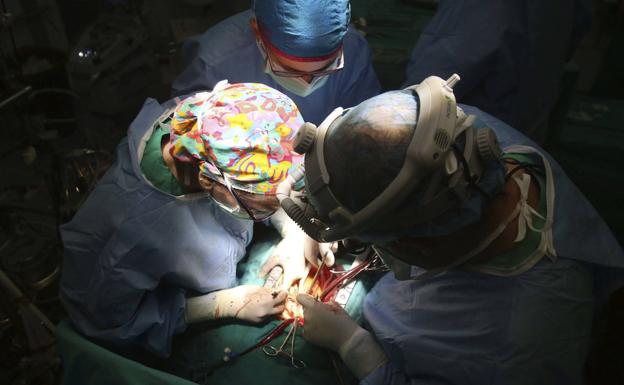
357, 53
228, 38
354, 42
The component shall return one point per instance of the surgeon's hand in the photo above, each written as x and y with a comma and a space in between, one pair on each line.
294, 249
290, 255
246, 302
329, 326
292, 252
316, 252
326, 324
253, 303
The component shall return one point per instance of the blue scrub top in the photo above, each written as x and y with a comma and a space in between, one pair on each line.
509, 54
133, 252
468, 328
229, 51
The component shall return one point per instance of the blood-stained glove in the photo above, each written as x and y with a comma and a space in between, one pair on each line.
329, 326
247, 302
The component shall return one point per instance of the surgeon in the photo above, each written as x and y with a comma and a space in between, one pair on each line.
154, 248
499, 264
511, 54
302, 48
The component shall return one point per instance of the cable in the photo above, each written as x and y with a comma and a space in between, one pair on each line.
469, 179
231, 356
347, 276
532, 169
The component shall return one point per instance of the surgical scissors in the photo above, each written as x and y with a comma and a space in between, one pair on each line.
271, 351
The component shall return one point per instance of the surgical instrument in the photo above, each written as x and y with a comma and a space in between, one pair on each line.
271, 351
318, 270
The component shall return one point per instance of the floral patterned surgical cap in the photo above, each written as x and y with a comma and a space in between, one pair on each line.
244, 130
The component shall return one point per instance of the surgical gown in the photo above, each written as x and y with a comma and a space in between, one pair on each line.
469, 328
229, 51
133, 252
509, 54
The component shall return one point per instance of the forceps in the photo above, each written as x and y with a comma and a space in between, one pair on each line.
270, 350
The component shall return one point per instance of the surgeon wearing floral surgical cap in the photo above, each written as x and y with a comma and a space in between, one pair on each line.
155, 246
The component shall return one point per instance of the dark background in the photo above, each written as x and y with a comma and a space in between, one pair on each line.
60, 121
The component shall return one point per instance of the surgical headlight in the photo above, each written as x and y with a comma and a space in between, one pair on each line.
433, 159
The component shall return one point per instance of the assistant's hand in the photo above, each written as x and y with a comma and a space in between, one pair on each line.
253, 303
289, 254
300, 243
246, 302
292, 252
314, 252
329, 326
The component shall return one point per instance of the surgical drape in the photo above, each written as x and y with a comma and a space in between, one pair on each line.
132, 252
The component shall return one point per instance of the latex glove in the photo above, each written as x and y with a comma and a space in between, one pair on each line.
312, 250
329, 326
294, 249
246, 302
288, 254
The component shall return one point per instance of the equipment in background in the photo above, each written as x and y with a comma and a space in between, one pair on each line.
80, 172
41, 365
39, 123
112, 67
29, 301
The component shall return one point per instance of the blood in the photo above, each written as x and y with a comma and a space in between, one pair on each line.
292, 308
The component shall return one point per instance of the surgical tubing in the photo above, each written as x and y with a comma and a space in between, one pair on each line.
298, 216
347, 276
291, 208
284, 188
268, 338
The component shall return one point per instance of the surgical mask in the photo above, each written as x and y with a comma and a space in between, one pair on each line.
297, 86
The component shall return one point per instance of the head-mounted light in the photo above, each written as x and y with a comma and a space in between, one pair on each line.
431, 149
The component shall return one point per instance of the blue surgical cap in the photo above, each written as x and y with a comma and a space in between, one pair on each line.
303, 29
